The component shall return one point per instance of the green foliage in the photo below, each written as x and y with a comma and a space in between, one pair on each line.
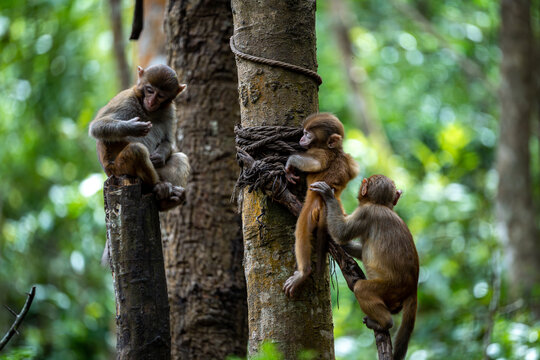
433, 92
440, 118
56, 72
267, 351
19, 354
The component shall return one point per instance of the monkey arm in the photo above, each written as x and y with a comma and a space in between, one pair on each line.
108, 128
304, 162
164, 149
342, 228
161, 154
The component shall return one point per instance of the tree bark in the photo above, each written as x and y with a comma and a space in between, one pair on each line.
133, 232
515, 210
284, 31
152, 43
119, 45
203, 239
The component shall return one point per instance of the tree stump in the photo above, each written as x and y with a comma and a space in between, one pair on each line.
136, 258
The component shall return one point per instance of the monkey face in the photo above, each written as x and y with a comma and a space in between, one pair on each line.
306, 139
153, 98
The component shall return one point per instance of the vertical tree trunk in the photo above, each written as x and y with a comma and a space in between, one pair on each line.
515, 210
119, 45
152, 43
204, 250
284, 31
142, 310
341, 25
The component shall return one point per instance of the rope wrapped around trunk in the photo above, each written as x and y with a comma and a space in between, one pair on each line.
262, 154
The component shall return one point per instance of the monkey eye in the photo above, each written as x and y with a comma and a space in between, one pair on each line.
160, 95
149, 90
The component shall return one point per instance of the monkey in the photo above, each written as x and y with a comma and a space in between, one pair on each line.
387, 251
326, 161
135, 135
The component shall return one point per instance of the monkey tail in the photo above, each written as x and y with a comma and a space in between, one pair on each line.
406, 328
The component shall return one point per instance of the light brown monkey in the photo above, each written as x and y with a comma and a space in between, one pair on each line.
388, 253
323, 161
135, 135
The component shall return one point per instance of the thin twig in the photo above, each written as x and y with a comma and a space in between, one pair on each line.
19, 318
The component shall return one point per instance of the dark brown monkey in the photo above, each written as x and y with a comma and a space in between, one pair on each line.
323, 161
135, 135
388, 253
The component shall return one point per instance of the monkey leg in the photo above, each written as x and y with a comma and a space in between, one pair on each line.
174, 175
176, 170
370, 295
302, 248
134, 160
353, 248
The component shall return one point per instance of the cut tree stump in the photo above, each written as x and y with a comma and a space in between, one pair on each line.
136, 259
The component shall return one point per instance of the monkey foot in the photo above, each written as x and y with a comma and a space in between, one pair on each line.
293, 283
169, 196
373, 325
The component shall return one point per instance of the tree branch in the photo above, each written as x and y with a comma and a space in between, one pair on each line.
18, 318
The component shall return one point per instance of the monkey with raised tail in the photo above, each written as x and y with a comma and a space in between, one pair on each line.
387, 251
135, 135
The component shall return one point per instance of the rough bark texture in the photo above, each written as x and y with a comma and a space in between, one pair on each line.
285, 31
384, 345
204, 249
515, 210
142, 310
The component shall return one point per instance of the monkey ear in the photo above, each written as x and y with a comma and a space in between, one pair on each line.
181, 88
363, 189
398, 195
334, 141
140, 71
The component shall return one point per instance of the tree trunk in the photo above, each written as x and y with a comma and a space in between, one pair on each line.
152, 45
341, 24
119, 45
142, 310
515, 211
204, 252
284, 31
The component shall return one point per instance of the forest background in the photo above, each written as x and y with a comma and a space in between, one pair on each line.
421, 77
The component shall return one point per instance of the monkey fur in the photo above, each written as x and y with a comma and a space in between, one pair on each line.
324, 160
135, 135
387, 251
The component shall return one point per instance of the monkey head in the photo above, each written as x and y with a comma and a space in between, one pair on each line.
378, 189
322, 130
157, 86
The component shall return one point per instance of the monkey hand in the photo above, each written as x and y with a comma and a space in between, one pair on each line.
324, 189
289, 175
157, 159
293, 283
139, 128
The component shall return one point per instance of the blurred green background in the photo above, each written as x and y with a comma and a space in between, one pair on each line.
431, 86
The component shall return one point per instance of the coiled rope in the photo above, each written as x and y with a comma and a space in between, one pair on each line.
263, 153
